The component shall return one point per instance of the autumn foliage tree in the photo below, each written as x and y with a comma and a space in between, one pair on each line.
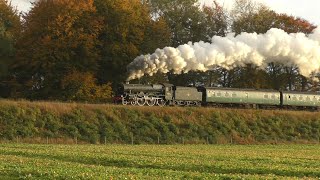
10, 27
78, 86
71, 49
128, 31
58, 36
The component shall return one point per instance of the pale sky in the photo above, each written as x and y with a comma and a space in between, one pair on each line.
307, 9
22, 5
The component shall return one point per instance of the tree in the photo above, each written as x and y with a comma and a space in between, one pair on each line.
275, 76
10, 27
259, 22
291, 24
251, 17
157, 35
216, 20
188, 22
128, 31
58, 36
78, 86
184, 18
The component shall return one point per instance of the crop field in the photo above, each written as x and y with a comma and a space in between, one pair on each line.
25, 161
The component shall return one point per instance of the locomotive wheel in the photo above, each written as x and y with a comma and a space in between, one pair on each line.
141, 101
124, 102
179, 103
197, 103
161, 102
151, 102
133, 102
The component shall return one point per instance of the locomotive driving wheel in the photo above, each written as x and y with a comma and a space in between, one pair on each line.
133, 102
151, 101
161, 102
141, 101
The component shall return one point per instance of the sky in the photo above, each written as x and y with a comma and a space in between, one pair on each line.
22, 5
307, 9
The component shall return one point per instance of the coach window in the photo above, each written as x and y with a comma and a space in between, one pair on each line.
234, 95
266, 96
273, 96
314, 98
294, 98
227, 94
308, 98
219, 94
301, 98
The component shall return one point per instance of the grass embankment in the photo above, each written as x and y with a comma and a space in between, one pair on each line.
46, 121
25, 161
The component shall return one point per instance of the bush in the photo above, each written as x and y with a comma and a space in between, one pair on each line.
81, 86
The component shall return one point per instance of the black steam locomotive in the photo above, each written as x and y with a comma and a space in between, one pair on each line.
168, 94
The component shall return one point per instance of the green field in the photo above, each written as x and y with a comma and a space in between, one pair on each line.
25, 161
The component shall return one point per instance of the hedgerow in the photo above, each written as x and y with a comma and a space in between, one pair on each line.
91, 123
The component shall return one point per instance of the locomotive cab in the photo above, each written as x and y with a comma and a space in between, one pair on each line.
168, 89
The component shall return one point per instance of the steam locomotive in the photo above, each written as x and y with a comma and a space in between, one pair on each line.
169, 94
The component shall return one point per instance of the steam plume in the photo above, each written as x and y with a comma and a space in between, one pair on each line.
258, 49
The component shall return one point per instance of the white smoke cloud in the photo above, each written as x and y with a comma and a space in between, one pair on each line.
258, 49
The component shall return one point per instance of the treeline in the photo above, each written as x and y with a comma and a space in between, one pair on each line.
28, 122
77, 50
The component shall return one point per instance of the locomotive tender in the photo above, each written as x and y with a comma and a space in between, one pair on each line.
168, 94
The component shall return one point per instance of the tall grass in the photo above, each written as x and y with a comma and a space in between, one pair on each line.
105, 123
